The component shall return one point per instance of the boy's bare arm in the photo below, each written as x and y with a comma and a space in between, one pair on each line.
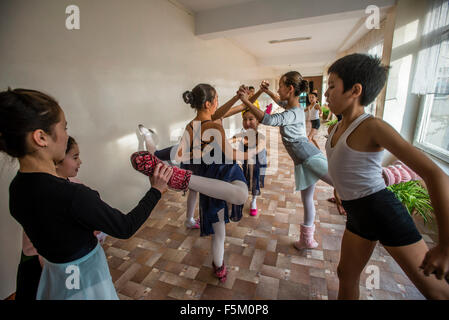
436, 181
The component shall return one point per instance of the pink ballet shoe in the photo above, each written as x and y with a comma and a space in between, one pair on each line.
195, 225
306, 240
396, 173
221, 273
405, 176
388, 176
145, 162
253, 212
412, 173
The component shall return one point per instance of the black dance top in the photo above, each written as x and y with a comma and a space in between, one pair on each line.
59, 217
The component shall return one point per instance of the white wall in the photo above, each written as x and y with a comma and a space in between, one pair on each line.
128, 64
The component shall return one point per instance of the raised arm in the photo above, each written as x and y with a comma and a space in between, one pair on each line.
243, 95
235, 110
273, 96
256, 95
437, 182
221, 112
275, 120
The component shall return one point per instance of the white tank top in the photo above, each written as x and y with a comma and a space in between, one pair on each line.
314, 113
355, 174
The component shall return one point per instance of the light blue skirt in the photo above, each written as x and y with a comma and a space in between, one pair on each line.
310, 171
87, 278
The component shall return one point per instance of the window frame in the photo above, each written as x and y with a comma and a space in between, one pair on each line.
425, 109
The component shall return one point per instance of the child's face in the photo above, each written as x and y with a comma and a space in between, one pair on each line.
337, 100
312, 98
70, 165
251, 92
283, 91
249, 121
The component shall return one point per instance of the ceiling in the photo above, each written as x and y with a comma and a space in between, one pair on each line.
330, 31
203, 5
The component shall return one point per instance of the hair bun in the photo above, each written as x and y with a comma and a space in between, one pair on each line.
188, 97
304, 85
2, 142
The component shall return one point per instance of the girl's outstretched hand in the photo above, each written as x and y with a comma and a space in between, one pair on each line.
436, 261
264, 85
243, 93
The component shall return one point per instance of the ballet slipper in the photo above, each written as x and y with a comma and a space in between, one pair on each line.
306, 240
221, 273
253, 212
145, 162
396, 174
148, 135
412, 173
388, 176
195, 225
405, 176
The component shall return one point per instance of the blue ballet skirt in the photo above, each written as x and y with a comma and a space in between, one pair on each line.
87, 278
209, 207
255, 173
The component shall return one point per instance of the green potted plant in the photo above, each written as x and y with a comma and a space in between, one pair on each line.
414, 197
325, 111
332, 122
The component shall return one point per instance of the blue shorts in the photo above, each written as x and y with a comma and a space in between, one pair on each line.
381, 216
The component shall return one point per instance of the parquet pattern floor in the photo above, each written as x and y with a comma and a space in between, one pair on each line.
165, 260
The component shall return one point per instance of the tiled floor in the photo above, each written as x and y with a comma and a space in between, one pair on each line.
164, 260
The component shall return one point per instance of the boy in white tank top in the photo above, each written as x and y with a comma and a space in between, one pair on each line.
354, 150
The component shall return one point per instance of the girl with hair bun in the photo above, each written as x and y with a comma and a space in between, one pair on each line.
209, 160
310, 163
202, 92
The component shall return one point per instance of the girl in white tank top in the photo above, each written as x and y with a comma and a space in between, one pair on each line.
314, 111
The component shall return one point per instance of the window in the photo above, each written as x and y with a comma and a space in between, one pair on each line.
375, 50
432, 83
433, 129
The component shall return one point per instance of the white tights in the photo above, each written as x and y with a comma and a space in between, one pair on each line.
218, 239
235, 192
191, 204
219, 236
309, 206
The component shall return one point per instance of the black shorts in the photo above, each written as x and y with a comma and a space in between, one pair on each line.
315, 124
381, 216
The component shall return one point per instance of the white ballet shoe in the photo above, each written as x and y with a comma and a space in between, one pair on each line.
145, 131
148, 135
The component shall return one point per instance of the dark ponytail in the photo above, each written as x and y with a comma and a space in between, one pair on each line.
199, 95
295, 79
23, 111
